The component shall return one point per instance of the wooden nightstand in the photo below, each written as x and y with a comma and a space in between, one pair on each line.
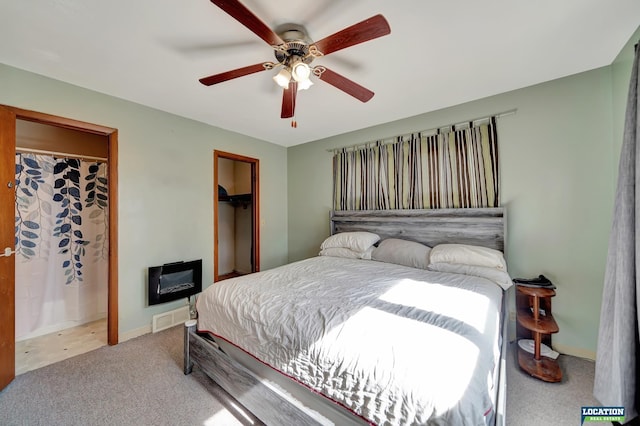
536, 321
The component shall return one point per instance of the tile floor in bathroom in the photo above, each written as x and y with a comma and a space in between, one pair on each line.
50, 348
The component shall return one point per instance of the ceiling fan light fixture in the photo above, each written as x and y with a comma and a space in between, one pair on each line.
283, 78
305, 84
300, 71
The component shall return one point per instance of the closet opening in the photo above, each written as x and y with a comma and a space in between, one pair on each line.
236, 207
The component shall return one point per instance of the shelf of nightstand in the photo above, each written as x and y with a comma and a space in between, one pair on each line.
536, 291
544, 324
545, 368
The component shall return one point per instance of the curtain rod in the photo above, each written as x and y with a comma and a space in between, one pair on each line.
60, 154
392, 138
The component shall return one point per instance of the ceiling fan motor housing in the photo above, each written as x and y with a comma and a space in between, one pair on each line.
297, 43
293, 49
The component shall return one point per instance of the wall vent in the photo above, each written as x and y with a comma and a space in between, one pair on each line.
169, 319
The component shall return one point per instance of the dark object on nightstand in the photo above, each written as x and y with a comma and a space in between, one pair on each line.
541, 281
535, 320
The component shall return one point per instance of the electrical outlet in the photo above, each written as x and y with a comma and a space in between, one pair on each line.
512, 316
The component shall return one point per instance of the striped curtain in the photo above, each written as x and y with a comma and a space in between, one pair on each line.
453, 169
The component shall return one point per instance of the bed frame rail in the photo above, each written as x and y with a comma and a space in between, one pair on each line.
261, 400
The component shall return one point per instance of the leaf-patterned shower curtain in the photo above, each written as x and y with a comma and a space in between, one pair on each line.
61, 230
453, 169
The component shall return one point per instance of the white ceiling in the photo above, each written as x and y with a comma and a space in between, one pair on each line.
439, 53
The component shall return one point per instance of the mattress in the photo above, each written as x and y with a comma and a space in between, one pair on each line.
392, 344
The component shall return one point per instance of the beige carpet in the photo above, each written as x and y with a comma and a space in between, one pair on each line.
532, 402
140, 382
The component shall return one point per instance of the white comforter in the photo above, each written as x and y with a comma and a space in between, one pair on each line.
396, 345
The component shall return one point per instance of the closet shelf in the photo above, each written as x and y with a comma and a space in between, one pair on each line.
236, 200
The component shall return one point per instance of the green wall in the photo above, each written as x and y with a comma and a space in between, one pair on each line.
557, 182
165, 184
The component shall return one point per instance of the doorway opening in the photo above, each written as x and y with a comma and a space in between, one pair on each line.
236, 212
61, 243
10, 120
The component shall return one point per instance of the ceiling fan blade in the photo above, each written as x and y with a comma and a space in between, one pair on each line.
289, 100
374, 27
350, 87
229, 75
243, 15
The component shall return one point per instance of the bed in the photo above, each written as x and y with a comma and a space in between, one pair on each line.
364, 341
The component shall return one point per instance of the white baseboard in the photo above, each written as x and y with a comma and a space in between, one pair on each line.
54, 328
132, 334
159, 322
579, 352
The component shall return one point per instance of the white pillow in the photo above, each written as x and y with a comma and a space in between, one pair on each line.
498, 276
346, 253
356, 241
468, 255
402, 252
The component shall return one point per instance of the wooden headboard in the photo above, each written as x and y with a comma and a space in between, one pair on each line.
482, 226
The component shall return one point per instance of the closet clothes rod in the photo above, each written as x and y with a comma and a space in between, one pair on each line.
60, 154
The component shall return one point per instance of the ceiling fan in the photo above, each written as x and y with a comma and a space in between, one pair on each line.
295, 51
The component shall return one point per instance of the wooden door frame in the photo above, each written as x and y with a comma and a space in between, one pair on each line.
7, 239
112, 194
255, 206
